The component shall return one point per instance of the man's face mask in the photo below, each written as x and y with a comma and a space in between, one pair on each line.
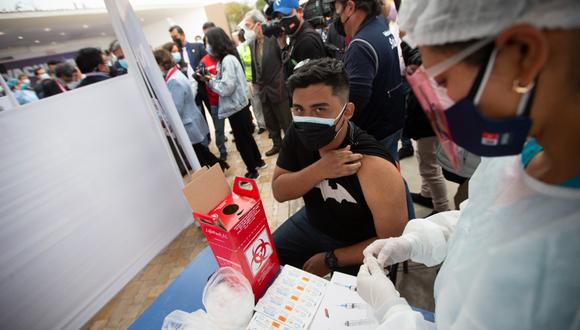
290, 24
315, 132
339, 24
178, 42
461, 124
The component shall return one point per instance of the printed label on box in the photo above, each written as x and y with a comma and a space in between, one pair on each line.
258, 252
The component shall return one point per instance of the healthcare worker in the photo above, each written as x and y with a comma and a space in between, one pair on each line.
501, 79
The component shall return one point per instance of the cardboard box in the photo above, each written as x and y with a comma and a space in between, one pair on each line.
235, 225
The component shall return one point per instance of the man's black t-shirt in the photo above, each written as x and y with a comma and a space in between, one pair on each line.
336, 207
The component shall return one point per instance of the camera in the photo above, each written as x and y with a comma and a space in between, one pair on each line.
202, 70
272, 28
319, 12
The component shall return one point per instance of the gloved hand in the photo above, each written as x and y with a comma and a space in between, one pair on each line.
375, 288
389, 251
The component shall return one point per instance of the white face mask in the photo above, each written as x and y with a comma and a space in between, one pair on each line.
249, 35
72, 84
44, 76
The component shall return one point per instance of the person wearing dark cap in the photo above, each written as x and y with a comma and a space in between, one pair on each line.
305, 42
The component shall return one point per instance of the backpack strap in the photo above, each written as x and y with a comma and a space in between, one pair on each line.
374, 52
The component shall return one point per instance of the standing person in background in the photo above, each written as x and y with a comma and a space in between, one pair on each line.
243, 48
192, 54
268, 79
209, 63
172, 48
51, 65
63, 82
21, 92
305, 42
120, 65
183, 97
41, 77
230, 84
374, 73
93, 64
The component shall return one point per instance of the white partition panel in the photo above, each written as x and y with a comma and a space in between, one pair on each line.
89, 195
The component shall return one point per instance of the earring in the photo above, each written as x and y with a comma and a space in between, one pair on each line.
522, 89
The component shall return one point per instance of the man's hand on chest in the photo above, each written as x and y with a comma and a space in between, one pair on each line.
339, 163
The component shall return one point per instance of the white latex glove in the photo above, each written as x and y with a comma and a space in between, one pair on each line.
389, 251
375, 288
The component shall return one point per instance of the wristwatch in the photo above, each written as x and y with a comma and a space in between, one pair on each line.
330, 260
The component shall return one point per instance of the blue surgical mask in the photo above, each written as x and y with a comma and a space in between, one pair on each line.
464, 124
209, 50
176, 56
124, 63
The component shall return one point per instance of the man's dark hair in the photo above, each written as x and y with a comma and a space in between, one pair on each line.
88, 59
327, 71
64, 70
221, 44
207, 25
178, 28
370, 7
53, 62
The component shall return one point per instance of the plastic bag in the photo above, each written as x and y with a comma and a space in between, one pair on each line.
180, 320
228, 299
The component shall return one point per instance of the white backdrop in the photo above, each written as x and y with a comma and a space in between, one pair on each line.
88, 195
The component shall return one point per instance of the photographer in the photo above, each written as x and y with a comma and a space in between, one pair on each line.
268, 80
305, 42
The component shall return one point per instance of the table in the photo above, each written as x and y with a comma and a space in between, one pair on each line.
184, 293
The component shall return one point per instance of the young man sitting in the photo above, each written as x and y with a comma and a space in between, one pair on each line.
353, 192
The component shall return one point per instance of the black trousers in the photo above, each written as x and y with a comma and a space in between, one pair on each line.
242, 127
278, 118
202, 98
205, 157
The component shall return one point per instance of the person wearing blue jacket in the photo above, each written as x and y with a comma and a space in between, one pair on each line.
184, 98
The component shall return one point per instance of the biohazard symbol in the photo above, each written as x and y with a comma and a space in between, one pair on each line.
259, 253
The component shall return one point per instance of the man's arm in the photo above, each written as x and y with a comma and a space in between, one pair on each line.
384, 192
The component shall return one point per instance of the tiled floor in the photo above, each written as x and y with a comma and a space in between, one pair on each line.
139, 293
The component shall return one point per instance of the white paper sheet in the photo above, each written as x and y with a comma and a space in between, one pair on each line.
342, 307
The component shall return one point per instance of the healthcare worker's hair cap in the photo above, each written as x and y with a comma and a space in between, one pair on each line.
437, 22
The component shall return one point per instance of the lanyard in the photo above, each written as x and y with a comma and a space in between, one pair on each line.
170, 73
62, 88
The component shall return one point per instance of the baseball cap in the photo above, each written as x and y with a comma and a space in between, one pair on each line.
285, 6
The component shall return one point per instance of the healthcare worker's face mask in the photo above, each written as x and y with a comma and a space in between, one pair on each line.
462, 123
315, 132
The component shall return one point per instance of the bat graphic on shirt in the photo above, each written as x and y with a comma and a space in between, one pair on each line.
339, 194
